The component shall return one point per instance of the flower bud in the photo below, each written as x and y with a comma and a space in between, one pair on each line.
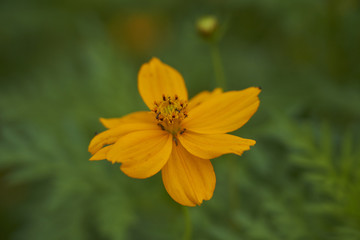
207, 26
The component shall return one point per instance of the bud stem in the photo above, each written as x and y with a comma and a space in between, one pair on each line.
218, 67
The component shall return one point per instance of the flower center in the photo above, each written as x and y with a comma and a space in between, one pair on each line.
169, 113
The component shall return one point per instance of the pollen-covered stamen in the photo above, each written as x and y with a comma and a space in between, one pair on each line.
170, 112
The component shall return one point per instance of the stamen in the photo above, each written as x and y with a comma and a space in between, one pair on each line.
175, 140
182, 131
169, 113
161, 126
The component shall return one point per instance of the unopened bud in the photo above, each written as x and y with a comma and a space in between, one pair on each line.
207, 26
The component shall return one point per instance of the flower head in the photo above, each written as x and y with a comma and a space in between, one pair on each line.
177, 137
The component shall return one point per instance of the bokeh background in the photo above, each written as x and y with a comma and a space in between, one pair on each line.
64, 64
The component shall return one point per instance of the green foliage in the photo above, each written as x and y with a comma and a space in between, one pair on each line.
64, 64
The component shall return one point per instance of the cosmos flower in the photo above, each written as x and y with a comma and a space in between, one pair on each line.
177, 137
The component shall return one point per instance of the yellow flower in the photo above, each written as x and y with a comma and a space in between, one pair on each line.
177, 136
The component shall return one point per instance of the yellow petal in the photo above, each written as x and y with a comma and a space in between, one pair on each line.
210, 146
157, 78
130, 118
112, 135
224, 112
101, 154
188, 179
201, 97
142, 153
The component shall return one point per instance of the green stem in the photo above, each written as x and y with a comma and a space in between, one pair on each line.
218, 67
188, 229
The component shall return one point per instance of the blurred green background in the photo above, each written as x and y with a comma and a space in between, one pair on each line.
64, 64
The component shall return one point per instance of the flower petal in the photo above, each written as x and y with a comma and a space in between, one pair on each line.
142, 153
130, 118
188, 179
224, 112
210, 146
112, 135
101, 154
201, 97
157, 78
